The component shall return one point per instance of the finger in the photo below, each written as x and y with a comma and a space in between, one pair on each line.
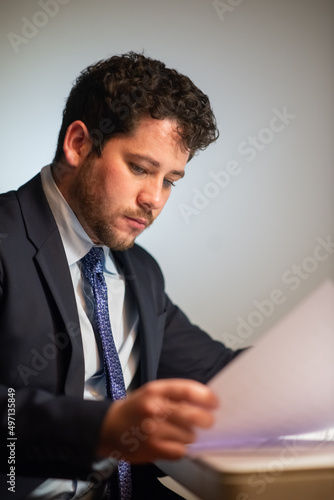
188, 416
162, 441
162, 450
169, 431
186, 390
170, 450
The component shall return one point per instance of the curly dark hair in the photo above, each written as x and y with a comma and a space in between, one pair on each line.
110, 97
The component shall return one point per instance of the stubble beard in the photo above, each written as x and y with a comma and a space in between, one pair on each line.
91, 214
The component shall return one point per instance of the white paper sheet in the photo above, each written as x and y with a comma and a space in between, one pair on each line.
284, 385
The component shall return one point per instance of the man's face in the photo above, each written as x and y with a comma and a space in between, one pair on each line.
119, 194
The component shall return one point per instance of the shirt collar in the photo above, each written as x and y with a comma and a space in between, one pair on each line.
76, 241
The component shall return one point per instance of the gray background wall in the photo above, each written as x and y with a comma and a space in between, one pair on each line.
254, 206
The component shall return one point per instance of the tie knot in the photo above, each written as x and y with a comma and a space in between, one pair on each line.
93, 261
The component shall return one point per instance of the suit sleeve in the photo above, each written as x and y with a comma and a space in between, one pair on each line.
188, 351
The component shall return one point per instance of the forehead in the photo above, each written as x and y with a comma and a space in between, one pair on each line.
153, 136
165, 128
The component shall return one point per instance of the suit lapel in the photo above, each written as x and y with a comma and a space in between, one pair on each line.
51, 259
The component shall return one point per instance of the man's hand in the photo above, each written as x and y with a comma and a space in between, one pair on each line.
156, 421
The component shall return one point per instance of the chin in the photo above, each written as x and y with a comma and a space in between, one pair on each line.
122, 246
118, 244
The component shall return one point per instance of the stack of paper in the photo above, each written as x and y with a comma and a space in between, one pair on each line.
282, 386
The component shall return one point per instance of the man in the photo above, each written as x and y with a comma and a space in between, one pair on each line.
129, 127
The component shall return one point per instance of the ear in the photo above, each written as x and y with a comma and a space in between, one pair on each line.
77, 143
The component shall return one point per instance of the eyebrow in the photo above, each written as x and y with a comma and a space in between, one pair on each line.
155, 163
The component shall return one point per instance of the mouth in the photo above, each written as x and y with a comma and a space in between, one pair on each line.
137, 223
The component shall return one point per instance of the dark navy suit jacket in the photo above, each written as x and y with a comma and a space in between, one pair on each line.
41, 354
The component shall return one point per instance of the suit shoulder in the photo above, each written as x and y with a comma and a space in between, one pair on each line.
10, 204
6, 198
9, 208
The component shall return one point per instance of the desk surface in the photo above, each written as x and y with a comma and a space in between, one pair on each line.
289, 470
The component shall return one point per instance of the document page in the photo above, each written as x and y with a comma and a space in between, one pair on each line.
282, 386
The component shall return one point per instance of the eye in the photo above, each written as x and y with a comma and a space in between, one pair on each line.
168, 184
137, 170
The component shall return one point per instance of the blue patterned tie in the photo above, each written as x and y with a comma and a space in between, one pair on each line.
93, 270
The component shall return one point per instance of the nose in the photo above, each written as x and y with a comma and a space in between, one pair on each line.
151, 195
